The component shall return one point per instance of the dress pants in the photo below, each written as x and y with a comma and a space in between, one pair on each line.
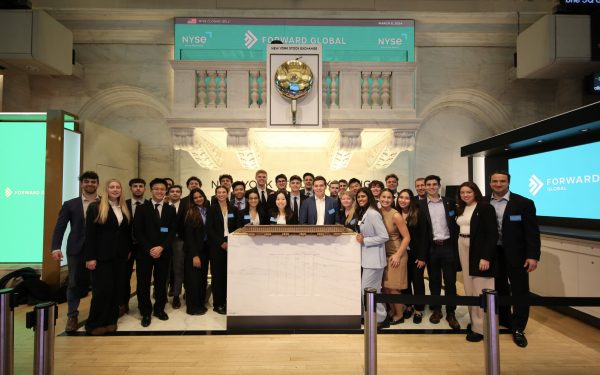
126, 288
473, 285
148, 267
442, 264
416, 282
77, 287
177, 268
372, 278
514, 281
107, 280
196, 281
218, 268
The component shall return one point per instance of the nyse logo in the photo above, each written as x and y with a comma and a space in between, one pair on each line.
249, 39
534, 185
8, 192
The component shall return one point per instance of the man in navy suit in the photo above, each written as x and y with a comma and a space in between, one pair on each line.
319, 209
518, 250
73, 212
441, 243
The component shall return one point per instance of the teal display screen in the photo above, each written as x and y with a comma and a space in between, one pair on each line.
245, 39
23, 175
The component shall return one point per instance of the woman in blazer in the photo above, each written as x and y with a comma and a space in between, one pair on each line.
107, 246
220, 221
372, 237
282, 214
347, 212
477, 247
196, 252
254, 213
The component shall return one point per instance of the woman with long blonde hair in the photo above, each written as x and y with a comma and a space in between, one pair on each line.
107, 246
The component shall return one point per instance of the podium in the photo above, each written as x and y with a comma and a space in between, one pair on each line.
293, 277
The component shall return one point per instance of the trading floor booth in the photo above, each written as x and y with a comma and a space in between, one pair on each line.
40, 161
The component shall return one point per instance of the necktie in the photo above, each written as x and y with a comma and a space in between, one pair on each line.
262, 197
238, 205
137, 204
156, 210
296, 206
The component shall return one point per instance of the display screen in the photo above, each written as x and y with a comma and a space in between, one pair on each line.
563, 183
23, 175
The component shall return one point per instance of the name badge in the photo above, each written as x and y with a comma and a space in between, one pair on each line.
352, 222
164, 230
515, 218
332, 211
246, 217
273, 220
451, 213
230, 216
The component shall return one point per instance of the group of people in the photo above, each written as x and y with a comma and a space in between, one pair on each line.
174, 239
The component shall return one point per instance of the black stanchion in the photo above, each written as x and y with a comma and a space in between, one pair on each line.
491, 338
43, 320
370, 332
7, 326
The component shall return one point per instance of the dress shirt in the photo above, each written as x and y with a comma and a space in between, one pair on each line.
320, 210
262, 193
158, 207
240, 204
86, 203
308, 193
281, 219
117, 210
464, 220
226, 224
500, 205
135, 203
437, 212
297, 209
176, 205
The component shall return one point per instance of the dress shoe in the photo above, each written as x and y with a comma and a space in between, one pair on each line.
121, 310
72, 324
469, 328
435, 317
519, 338
417, 318
200, 311
393, 321
146, 321
220, 310
408, 312
176, 302
161, 315
451, 318
474, 336
98, 331
111, 328
384, 324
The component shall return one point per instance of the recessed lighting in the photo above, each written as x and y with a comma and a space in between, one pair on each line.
584, 130
506, 149
539, 141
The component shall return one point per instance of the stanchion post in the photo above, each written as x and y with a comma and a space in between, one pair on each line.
370, 332
7, 329
43, 321
490, 333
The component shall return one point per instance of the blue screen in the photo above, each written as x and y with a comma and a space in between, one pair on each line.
562, 183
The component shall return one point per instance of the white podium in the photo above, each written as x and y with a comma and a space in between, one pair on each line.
293, 282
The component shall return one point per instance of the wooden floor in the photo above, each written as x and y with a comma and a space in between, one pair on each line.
557, 345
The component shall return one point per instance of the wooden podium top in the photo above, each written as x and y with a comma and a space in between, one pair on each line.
295, 230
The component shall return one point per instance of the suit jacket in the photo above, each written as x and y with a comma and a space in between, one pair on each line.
520, 231
341, 219
290, 219
450, 209
194, 239
375, 236
215, 225
308, 211
150, 231
108, 241
417, 234
244, 216
482, 241
70, 212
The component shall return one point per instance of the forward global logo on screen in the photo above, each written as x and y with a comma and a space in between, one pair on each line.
8, 192
249, 39
535, 185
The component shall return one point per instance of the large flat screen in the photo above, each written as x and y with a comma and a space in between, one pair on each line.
563, 183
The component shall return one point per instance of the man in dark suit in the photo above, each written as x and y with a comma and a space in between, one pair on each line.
391, 183
441, 242
518, 250
137, 186
295, 197
73, 212
420, 190
319, 209
261, 188
154, 228
308, 190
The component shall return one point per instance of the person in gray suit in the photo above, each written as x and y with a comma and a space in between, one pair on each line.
372, 237
319, 209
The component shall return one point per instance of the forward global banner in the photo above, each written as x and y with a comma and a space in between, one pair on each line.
244, 39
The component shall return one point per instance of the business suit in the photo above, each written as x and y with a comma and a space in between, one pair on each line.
442, 257
108, 244
520, 240
72, 213
195, 245
308, 211
151, 231
416, 251
215, 226
479, 224
372, 255
126, 288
